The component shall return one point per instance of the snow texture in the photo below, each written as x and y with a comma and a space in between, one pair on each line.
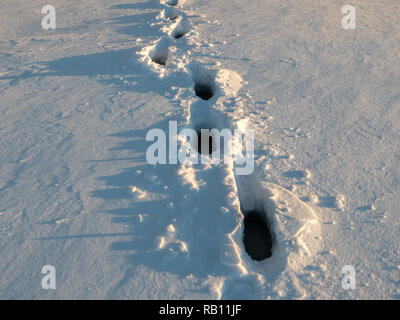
77, 193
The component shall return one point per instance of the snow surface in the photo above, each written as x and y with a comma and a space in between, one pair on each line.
77, 193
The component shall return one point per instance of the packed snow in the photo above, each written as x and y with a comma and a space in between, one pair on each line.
78, 107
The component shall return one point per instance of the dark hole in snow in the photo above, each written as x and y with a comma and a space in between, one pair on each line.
178, 35
257, 237
207, 137
160, 60
204, 91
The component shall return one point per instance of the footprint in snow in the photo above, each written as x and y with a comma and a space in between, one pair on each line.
182, 27
160, 53
204, 81
258, 235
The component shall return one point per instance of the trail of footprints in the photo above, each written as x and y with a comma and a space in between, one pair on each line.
258, 237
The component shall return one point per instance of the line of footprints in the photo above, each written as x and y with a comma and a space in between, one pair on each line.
257, 238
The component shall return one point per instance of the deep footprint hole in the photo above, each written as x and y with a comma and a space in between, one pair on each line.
258, 236
160, 60
204, 91
178, 35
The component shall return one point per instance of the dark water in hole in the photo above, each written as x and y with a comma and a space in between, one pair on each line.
210, 143
203, 91
257, 237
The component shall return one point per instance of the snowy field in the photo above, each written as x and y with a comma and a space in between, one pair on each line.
77, 191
